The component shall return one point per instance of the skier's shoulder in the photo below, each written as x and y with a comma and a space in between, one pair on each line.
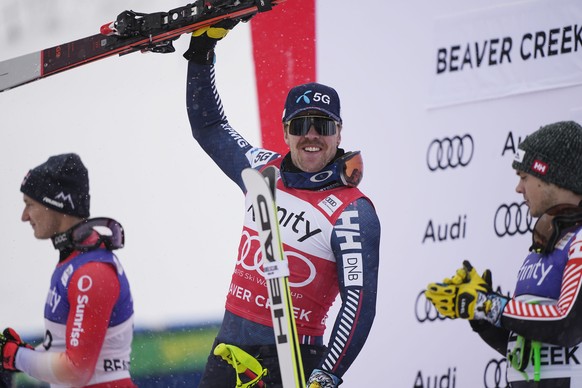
260, 157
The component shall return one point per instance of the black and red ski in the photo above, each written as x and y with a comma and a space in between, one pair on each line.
131, 32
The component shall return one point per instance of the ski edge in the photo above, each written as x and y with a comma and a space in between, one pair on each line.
259, 185
33, 67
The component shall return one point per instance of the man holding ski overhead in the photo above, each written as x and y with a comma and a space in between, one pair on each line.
329, 230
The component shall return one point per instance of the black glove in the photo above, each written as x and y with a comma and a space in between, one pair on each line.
204, 40
10, 342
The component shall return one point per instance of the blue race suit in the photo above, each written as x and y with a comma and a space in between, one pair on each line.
331, 241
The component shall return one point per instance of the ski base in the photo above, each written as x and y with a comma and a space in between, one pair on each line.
262, 189
131, 32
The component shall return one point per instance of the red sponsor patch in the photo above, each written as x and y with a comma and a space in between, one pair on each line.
539, 167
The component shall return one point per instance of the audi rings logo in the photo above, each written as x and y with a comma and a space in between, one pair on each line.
425, 311
251, 259
450, 152
512, 219
495, 375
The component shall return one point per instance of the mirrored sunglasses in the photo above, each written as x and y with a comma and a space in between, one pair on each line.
325, 126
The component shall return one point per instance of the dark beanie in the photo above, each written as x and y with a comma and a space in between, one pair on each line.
553, 153
61, 183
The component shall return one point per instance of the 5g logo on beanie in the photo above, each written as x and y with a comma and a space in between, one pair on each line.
61, 183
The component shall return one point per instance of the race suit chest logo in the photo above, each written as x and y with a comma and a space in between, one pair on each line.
251, 260
53, 299
294, 221
536, 272
84, 284
258, 157
330, 204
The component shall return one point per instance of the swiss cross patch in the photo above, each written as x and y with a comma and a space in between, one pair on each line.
539, 167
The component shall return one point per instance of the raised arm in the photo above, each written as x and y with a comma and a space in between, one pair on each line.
210, 127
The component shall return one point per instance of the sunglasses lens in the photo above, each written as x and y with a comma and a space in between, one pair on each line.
97, 231
324, 126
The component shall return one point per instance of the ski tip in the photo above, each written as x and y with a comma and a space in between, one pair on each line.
108, 29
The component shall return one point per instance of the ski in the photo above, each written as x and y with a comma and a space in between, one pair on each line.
262, 187
131, 32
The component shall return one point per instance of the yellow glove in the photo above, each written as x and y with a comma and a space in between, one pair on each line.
203, 41
212, 32
457, 297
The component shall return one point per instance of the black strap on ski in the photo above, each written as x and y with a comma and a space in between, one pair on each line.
263, 5
130, 23
131, 32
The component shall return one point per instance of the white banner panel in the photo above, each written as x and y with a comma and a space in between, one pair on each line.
506, 50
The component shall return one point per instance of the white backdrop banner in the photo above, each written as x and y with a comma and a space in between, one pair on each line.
505, 50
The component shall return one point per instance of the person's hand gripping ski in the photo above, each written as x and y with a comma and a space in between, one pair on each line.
203, 41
